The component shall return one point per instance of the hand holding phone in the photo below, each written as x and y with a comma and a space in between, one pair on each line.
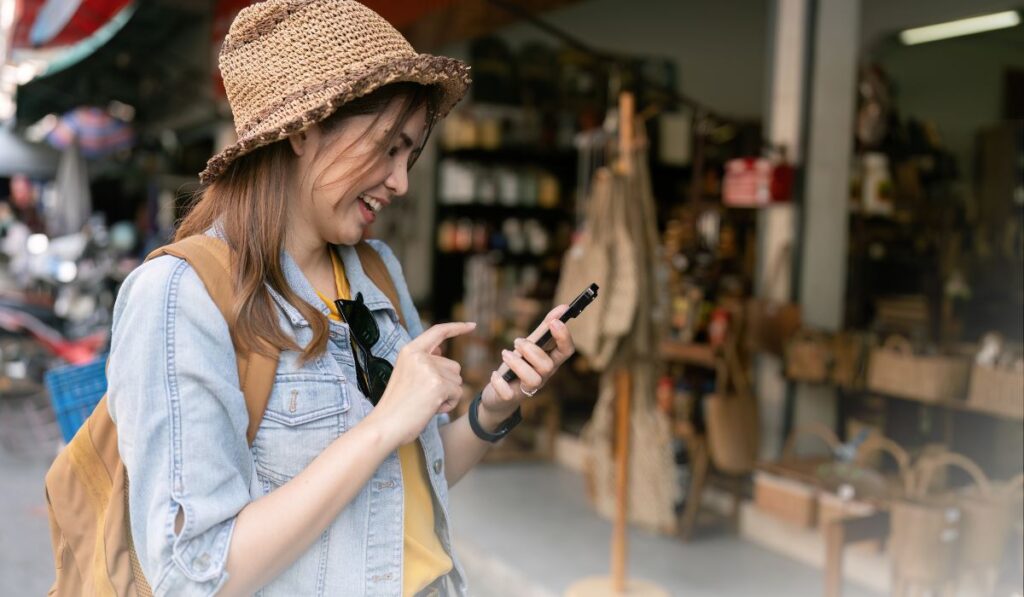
575, 308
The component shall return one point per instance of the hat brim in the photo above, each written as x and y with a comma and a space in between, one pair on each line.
302, 110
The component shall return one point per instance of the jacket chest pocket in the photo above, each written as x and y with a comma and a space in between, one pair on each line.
392, 336
305, 413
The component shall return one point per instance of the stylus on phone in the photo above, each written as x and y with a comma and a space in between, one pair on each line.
575, 308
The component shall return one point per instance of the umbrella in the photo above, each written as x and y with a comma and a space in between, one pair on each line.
96, 132
62, 22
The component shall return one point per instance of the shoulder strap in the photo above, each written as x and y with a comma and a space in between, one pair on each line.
211, 259
378, 273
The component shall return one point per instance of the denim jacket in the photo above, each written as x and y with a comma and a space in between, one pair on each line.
181, 420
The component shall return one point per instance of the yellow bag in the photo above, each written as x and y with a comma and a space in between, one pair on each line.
87, 487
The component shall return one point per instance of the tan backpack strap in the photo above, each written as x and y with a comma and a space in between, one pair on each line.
211, 259
378, 273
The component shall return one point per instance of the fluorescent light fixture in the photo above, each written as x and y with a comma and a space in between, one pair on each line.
999, 20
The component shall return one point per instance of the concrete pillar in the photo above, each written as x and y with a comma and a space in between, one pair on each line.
789, 30
812, 76
825, 207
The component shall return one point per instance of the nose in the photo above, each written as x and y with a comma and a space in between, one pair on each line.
397, 181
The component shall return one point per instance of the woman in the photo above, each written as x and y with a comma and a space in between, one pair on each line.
344, 489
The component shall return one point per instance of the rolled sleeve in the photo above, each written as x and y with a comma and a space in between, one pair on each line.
181, 421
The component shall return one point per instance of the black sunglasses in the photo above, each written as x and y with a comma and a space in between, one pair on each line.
372, 372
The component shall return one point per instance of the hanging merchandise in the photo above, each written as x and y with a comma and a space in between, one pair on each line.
586, 262
874, 106
74, 201
618, 250
675, 135
770, 323
732, 419
757, 182
876, 185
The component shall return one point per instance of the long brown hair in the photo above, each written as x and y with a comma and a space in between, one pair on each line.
249, 204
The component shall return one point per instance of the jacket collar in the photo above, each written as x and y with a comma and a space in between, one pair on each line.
358, 281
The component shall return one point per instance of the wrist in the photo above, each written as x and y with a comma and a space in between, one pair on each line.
380, 432
491, 418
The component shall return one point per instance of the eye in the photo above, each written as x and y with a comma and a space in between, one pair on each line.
393, 152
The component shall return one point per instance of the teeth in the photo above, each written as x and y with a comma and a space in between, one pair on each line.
374, 205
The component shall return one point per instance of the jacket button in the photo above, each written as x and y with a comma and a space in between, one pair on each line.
437, 466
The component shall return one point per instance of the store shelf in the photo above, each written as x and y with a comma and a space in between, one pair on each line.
514, 155
500, 211
958, 405
688, 353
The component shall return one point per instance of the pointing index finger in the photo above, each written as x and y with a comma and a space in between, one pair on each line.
433, 337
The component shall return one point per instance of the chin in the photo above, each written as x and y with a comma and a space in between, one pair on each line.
347, 237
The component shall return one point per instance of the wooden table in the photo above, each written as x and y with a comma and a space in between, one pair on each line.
847, 531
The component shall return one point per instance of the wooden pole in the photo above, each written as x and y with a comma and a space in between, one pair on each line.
627, 111
618, 584
623, 393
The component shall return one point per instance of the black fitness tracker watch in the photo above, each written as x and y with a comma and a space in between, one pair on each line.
502, 430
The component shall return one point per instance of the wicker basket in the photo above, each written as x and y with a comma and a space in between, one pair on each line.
927, 529
809, 357
998, 390
894, 369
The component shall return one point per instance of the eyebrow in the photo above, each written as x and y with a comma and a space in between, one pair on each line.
406, 139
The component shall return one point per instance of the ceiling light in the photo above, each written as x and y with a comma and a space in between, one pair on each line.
999, 20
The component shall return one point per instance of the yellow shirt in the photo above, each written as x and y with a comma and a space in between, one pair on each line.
425, 557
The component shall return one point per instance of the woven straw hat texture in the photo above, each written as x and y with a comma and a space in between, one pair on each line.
288, 64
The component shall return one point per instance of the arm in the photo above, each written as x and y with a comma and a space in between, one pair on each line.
273, 531
462, 448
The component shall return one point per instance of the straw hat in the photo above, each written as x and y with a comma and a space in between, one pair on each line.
288, 64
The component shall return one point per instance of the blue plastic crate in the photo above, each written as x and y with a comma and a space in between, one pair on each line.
74, 392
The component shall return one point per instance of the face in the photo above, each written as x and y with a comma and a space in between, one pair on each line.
346, 177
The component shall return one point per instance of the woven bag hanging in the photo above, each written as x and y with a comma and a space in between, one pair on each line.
629, 339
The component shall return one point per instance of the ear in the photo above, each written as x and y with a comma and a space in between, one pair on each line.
300, 142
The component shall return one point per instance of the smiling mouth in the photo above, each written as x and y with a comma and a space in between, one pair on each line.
371, 203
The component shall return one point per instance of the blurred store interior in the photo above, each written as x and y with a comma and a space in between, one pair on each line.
806, 217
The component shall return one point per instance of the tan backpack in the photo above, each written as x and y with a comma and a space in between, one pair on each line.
87, 486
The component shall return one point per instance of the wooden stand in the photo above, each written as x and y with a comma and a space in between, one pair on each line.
617, 583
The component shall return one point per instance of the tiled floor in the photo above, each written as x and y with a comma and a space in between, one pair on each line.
26, 563
523, 530
526, 529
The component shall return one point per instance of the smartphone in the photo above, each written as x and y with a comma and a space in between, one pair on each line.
576, 307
